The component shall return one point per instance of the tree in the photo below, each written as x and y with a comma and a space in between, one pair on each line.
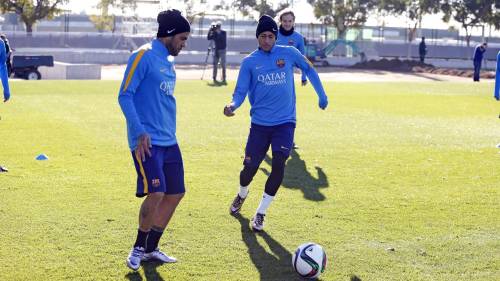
494, 18
413, 10
105, 21
247, 7
31, 11
471, 13
343, 14
194, 8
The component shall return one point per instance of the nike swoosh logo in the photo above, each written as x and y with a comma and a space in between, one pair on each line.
259, 67
170, 31
282, 147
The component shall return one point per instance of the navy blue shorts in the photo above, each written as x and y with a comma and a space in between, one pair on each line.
162, 172
280, 137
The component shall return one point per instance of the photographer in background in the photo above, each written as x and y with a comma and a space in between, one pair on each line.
219, 37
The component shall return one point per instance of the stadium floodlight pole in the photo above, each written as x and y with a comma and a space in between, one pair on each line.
210, 47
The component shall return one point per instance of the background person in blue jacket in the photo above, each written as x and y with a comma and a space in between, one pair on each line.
8, 51
266, 75
5, 80
148, 103
478, 59
4, 73
287, 36
422, 50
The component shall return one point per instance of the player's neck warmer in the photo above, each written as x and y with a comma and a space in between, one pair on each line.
286, 33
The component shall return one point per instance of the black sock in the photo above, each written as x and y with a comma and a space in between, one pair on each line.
140, 241
153, 239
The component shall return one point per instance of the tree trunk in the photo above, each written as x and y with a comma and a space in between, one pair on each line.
341, 34
467, 36
29, 27
412, 32
467, 39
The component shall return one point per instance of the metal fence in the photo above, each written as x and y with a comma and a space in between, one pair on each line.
128, 33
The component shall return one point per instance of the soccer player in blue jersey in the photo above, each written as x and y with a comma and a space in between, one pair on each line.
266, 75
4, 72
287, 36
147, 100
5, 80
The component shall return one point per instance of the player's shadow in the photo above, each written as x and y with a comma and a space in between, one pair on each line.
274, 265
216, 84
298, 177
150, 272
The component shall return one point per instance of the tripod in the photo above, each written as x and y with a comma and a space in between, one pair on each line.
210, 48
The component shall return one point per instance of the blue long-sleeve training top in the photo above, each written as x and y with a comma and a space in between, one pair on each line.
296, 40
267, 78
3, 71
147, 95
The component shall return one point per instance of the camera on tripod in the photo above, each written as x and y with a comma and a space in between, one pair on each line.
213, 28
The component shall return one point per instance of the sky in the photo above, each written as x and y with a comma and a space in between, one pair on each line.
303, 11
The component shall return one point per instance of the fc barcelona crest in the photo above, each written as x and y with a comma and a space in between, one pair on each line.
280, 63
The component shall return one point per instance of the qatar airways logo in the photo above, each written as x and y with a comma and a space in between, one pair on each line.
272, 79
167, 87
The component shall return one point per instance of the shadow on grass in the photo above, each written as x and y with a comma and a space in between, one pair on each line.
150, 272
355, 278
274, 265
422, 75
216, 84
298, 177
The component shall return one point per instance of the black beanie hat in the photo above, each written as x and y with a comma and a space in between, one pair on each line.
171, 22
266, 23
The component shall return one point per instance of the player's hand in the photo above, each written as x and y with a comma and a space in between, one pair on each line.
304, 82
228, 110
323, 102
143, 146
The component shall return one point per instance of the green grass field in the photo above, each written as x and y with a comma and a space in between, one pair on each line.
409, 166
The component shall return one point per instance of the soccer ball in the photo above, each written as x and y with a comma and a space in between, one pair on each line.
309, 260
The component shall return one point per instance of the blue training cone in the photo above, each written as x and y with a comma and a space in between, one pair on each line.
42, 157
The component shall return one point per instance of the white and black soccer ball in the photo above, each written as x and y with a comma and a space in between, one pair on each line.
309, 260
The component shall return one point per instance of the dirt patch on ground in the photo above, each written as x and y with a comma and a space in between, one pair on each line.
417, 67
453, 72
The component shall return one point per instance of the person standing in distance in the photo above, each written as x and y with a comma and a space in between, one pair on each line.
219, 37
478, 59
148, 103
422, 50
266, 75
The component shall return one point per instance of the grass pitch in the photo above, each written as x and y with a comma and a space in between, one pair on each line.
397, 181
